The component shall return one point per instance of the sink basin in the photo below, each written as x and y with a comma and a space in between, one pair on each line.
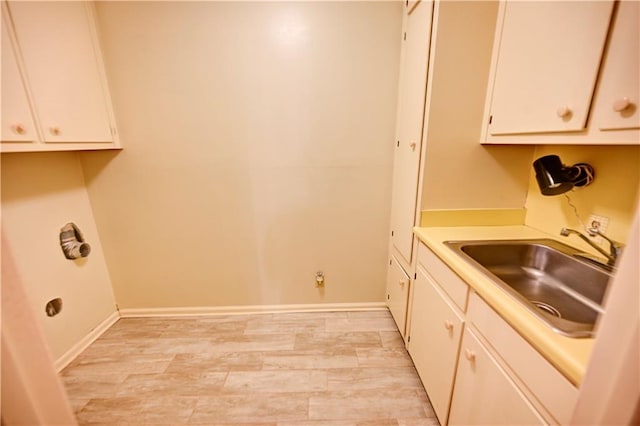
546, 276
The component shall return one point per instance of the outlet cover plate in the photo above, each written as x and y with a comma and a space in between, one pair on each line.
600, 222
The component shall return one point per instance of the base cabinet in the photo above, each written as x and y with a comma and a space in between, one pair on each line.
398, 283
436, 330
484, 393
476, 368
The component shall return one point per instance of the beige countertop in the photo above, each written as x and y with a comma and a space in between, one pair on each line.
569, 355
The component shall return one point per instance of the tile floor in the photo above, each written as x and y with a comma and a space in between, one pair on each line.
324, 368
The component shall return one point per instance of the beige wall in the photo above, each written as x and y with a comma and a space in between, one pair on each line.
460, 173
612, 193
257, 150
41, 193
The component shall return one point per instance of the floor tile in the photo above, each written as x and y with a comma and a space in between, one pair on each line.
188, 363
392, 339
376, 422
373, 313
259, 342
171, 384
311, 359
279, 325
369, 404
342, 340
426, 421
372, 378
86, 387
361, 324
277, 381
118, 363
251, 408
383, 357
138, 411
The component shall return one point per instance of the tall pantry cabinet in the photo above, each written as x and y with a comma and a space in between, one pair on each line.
406, 165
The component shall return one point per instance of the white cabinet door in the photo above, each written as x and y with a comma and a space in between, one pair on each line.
410, 5
17, 121
406, 164
618, 91
398, 283
436, 330
484, 394
547, 65
62, 68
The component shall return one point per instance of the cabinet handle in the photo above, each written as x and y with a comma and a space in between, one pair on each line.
55, 130
564, 112
413, 146
19, 128
448, 325
470, 355
620, 105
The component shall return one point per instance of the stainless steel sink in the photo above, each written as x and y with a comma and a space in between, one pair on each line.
546, 276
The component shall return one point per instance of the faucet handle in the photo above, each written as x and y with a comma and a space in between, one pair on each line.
615, 246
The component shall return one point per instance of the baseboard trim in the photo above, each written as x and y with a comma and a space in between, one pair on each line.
248, 309
76, 349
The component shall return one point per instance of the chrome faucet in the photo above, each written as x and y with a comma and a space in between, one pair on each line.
615, 248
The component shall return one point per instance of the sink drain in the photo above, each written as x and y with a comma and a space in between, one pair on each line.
544, 307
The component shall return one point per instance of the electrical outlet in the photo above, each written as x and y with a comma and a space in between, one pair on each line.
599, 222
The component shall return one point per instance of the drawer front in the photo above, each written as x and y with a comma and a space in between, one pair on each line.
553, 391
436, 331
451, 283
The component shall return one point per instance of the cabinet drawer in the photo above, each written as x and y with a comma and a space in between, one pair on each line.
451, 283
553, 391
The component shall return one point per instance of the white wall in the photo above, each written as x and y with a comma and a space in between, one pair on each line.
41, 192
257, 150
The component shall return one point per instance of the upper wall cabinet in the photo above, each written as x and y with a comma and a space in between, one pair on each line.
617, 104
54, 89
564, 73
